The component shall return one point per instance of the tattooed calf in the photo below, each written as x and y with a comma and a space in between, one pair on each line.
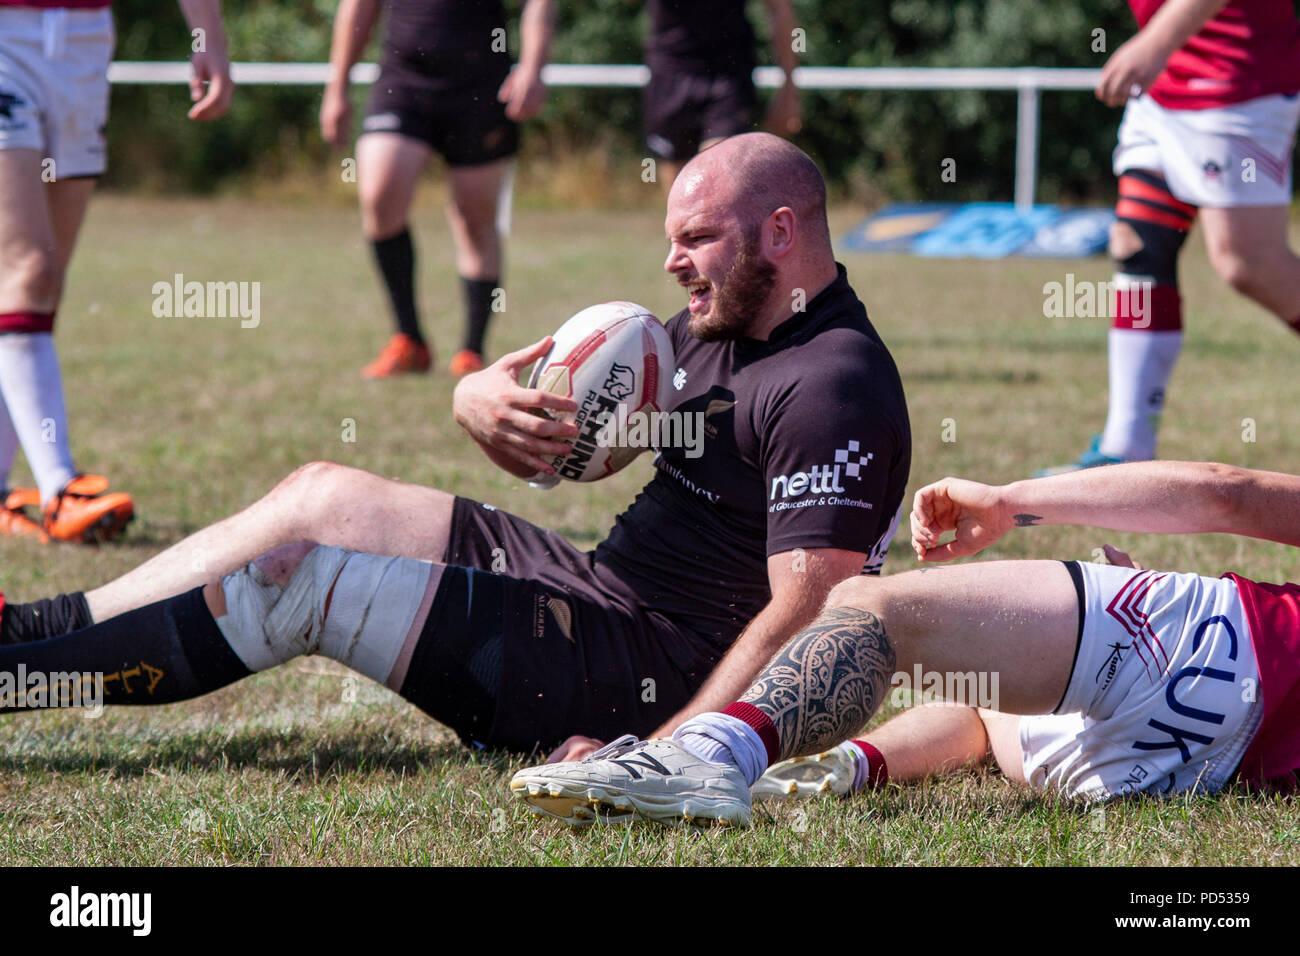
827, 682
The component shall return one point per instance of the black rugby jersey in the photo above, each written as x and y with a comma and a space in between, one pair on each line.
444, 44
806, 444
708, 37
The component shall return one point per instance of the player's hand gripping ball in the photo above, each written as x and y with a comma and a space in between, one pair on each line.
615, 360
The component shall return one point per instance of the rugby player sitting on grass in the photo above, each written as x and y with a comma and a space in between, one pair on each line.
775, 352
1130, 680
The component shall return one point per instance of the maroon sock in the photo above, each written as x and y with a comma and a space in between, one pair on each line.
874, 772
762, 724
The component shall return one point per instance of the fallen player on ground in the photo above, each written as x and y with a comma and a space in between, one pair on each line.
1129, 680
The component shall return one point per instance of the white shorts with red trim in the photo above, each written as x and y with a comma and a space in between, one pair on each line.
54, 85
1164, 695
1231, 156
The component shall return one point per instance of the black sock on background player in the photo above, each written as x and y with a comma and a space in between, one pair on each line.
396, 259
47, 617
164, 652
478, 295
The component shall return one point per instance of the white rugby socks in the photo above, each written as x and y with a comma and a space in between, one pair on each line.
32, 387
722, 738
1141, 363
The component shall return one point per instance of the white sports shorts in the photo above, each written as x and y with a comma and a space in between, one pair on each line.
1164, 692
1230, 156
54, 85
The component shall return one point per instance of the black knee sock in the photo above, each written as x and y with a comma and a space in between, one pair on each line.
396, 258
169, 651
478, 309
48, 617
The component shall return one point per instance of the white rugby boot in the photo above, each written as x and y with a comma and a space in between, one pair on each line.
654, 779
830, 772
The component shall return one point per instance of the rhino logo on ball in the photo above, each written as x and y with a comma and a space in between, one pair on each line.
621, 382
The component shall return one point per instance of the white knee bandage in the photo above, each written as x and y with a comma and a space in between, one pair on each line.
372, 607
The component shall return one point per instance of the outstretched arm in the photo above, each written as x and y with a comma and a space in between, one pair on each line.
1167, 497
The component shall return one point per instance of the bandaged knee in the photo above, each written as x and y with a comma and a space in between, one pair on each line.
354, 608
1146, 279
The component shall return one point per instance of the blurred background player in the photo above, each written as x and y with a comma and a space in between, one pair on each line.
1211, 125
701, 89
53, 106
445, 84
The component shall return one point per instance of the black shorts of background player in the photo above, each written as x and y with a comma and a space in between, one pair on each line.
701, 89
445, 85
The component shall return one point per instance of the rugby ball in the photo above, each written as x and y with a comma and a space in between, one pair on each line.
615, 360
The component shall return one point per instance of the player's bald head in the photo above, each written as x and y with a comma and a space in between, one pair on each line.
759, 173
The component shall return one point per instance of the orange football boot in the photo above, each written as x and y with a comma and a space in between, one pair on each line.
14, 522
466, 361
85, 510
401, 354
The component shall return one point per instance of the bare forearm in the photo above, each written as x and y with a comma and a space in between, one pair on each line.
352, 28
1163, 497
765, 636
205, 15
536, 30
781, 13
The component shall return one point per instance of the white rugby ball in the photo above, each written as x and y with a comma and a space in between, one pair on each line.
615, 360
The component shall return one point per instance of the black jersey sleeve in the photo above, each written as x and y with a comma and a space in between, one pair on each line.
836, 452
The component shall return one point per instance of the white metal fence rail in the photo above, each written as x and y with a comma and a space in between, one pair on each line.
1028, 82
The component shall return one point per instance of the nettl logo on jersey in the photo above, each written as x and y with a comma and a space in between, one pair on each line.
823, 480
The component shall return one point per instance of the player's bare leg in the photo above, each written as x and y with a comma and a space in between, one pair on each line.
1018, 620
32, 275
388, 171
68, 199
930, 740
1248, 249
472, 213
927, 740
323, 502
38, 231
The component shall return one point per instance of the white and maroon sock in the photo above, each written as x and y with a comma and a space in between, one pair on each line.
1144, 342
32, 387
731, 737
872, 771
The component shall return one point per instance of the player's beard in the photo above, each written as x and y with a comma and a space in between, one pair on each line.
740, 300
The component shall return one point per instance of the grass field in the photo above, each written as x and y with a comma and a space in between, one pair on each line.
198, 417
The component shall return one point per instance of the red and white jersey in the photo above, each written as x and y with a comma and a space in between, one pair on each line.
1250, 48
58, 4
1273, 612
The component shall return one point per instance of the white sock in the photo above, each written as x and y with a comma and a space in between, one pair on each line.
1141, 363
33, 391
721, 738
8, 445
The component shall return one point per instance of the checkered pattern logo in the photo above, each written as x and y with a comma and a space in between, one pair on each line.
852, 460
